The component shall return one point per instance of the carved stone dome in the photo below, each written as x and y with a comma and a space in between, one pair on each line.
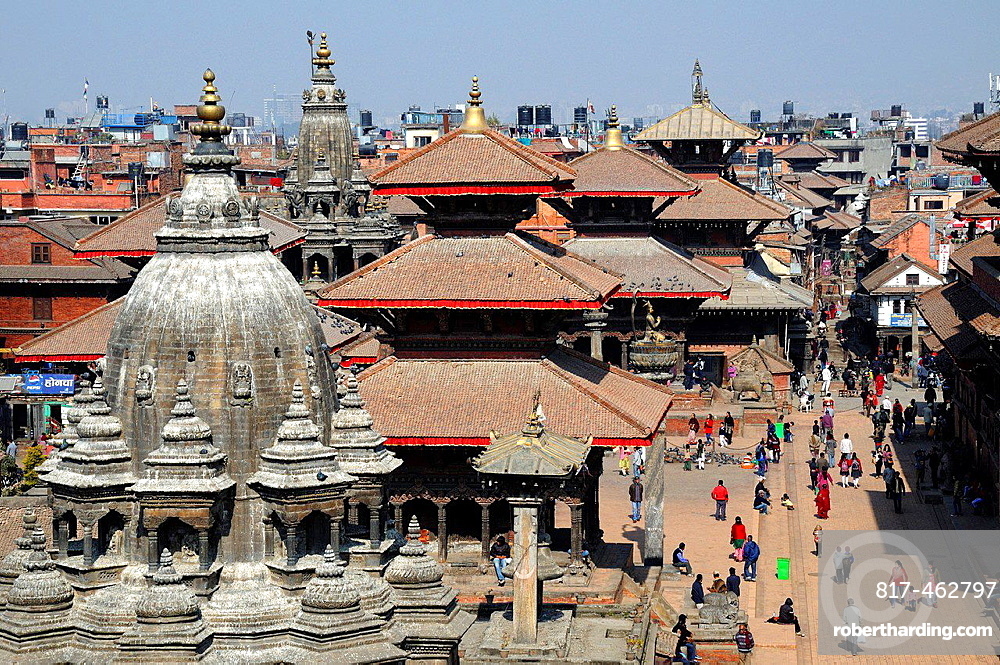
412, 566
216, 309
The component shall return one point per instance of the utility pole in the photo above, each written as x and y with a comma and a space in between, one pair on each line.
914, 340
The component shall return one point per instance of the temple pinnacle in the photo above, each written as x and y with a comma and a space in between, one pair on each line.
475, 116
210, 112
613, 139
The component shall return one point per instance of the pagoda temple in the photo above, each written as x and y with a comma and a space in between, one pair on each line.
720, 224
471, 315
326, 191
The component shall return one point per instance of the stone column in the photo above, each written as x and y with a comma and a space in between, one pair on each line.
653, 503
63, 537
397, 509
485, 533
268, 538
292, 543
335, 528
595, 321
152, 550
527, 599
374, 524
88, 542
203, 561
352, 514
575, 532
442, 532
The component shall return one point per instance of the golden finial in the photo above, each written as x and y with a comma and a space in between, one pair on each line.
210, 112
613, 138
475, 117
315, 271
322, 59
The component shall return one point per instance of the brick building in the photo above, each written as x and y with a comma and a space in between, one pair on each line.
44, 285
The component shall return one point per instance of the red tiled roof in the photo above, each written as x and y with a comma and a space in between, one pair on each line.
980, 136
626, 172
466, 163
836, 220
514, 270
458, 402
83, 339
984, 204
874, 281
948, 309
796, 194
805, 150
987, 245
132, 233
721, 199
817, 180
653, 267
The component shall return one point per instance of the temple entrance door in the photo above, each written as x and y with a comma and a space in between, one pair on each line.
715, 365
317, 261
501, 519
111, 534
464, 530
365, 259
314, 533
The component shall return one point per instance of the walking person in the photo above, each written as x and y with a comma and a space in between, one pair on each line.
898, 490
710, 430
856, 471
838, 566
831, 447
500, 556
818, 539
889, 477
846, 446
956, 498
826, 376
751, 552
635, 496
693, 427
897, 583
823, 503
737, 536
845, 470
622, 460
721, 496
744, 643
934, 461
636, 460
813, 471
847, 564
852, 617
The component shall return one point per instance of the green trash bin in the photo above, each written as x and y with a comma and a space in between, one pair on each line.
784, 568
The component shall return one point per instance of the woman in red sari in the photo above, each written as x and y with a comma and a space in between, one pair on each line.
823, 502
879, 384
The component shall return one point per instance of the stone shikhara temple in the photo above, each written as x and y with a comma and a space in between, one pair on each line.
208, 471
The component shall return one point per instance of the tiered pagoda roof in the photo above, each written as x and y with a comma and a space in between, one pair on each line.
720, 199
473, 159
981, 207
132, 233
618, 171
654, 267
414, 401
510, 271
981, 136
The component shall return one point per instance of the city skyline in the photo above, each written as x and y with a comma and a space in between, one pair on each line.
639, 59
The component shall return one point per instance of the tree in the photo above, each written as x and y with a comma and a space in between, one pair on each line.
32, 459
493, 120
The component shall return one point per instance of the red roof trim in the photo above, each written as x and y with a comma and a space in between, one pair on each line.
722, 295
484, 441
455, 190
368, 303
56, 359
363, 360
112, 253
572, 194
288, 245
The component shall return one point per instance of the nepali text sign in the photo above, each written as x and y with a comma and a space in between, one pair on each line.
904, 321
48, 384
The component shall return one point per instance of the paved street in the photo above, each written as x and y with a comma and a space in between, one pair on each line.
688, 518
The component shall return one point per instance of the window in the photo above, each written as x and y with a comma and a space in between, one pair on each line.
912, 279
41, 252
41, 309
923, 151
421, 141
854, 156
13, 174
934, 205
897, 306
904, 151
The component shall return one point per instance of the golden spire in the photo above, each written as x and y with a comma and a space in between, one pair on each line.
475, 116
699, 93
613, 138
210, 112
322, 60
315, 271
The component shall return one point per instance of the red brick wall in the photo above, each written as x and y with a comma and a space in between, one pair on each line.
16, 240
915, 242
884, 202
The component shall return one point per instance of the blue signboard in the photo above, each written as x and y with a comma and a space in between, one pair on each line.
48, 384
903, 321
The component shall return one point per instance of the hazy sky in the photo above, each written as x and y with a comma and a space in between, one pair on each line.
826, 56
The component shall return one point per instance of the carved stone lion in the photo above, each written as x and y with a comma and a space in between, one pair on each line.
720, 609
145, 385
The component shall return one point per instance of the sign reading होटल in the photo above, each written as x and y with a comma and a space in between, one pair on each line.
48, 384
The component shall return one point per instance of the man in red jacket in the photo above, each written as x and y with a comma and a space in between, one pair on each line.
721, 496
